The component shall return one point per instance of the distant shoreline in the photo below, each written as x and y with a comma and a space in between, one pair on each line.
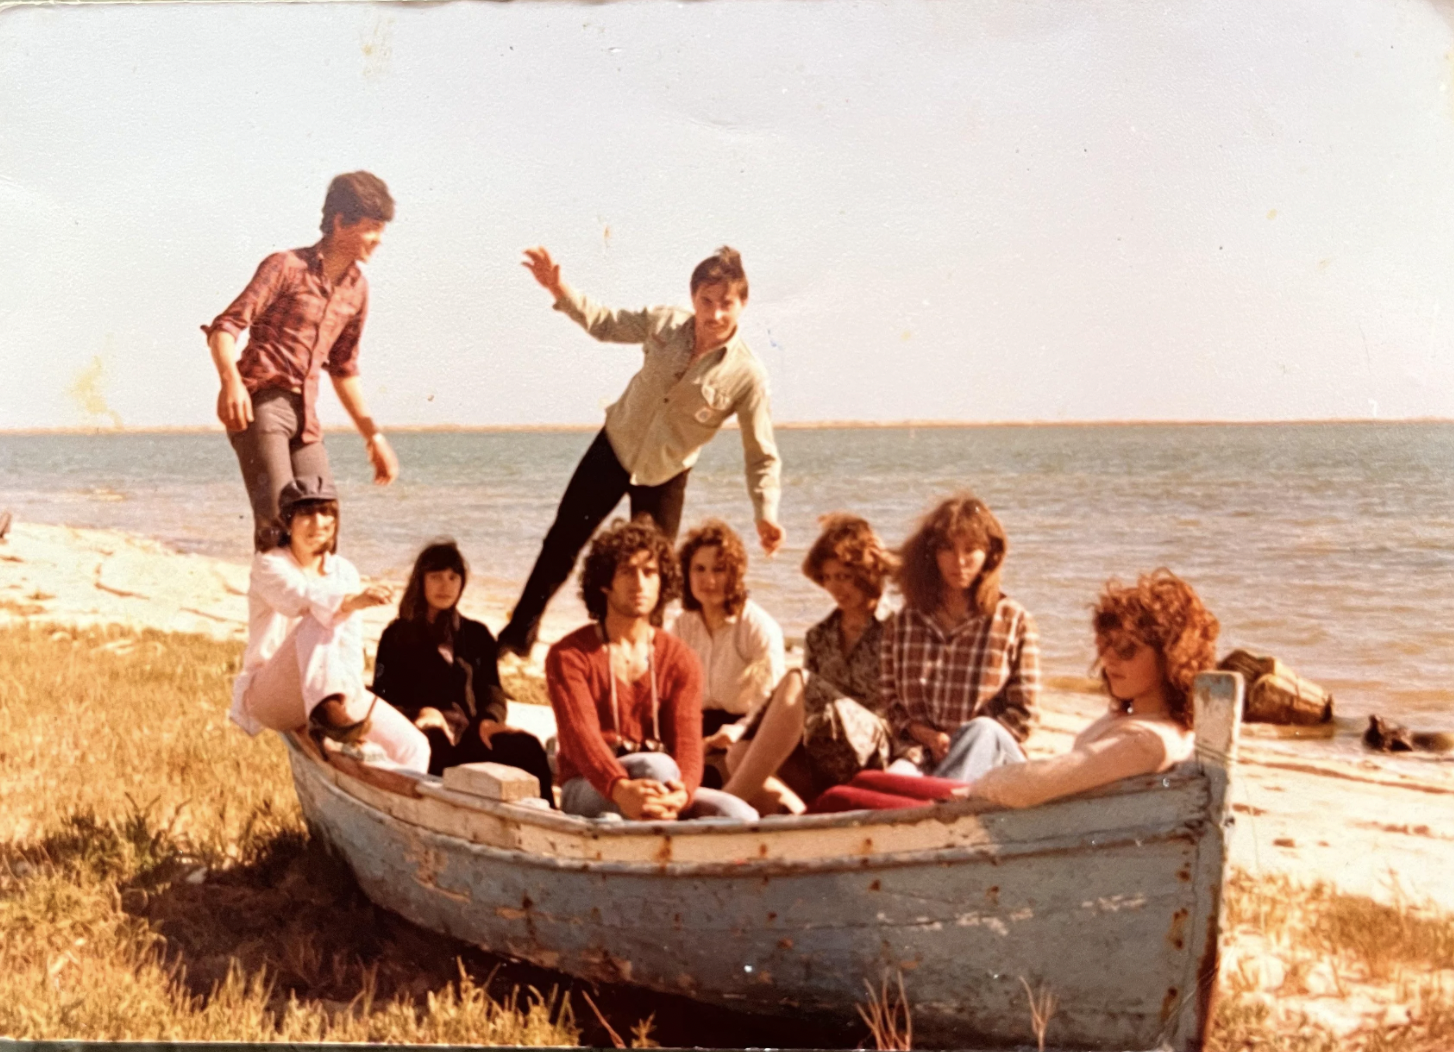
803, 425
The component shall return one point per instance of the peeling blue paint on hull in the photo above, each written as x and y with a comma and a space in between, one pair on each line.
1109, 901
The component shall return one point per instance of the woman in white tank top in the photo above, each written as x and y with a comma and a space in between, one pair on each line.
1152, 639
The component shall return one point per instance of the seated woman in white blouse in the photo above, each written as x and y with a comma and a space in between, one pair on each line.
304, 662
738, 643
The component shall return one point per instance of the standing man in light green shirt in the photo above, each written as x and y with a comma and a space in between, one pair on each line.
697, 372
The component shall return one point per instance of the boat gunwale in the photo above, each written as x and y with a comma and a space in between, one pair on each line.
989, 853
986, 852
1183, 775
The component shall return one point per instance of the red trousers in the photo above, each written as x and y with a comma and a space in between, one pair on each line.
881, 791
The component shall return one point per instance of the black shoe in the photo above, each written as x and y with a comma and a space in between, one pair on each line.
514, 640
327, 720
5, 521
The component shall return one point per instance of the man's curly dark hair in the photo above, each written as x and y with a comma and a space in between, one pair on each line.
611, 547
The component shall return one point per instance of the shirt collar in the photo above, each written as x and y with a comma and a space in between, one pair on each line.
330, 560
875, 624
734, 345
313, 256
932, 623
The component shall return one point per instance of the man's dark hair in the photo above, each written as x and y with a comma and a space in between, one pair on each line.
354, 196
610, 548
722, 267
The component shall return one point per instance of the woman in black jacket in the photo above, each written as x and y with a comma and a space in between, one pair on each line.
439, 669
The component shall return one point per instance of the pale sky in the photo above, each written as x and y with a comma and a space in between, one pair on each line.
1031, 210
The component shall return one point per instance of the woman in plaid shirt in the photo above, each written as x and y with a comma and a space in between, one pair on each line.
960, 665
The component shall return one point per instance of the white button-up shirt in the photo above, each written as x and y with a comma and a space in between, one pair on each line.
741, 663
673, 406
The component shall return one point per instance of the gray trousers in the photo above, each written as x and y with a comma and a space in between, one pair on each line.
271, 453
579, 797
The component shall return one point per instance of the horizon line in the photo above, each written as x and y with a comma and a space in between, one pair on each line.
791, 425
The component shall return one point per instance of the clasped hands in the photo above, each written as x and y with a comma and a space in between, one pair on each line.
650, 800
936, 741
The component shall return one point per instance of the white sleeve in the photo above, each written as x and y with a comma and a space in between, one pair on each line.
764, 656
605, 324
280, 583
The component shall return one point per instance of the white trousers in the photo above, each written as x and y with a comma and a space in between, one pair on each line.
310, 665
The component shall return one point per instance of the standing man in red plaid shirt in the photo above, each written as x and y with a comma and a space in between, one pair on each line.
305, 310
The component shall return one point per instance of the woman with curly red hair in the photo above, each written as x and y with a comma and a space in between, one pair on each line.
1152, 639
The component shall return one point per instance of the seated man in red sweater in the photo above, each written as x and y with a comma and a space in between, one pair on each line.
628, 696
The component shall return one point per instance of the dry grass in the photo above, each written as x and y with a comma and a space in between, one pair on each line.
156, 881
888, 1015
1312, 969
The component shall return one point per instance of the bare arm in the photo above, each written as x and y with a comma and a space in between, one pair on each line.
1129, 752
234, 403
381, 454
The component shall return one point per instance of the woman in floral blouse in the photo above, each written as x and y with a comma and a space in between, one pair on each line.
825, 722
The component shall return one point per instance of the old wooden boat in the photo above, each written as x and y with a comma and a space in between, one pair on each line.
1110, 900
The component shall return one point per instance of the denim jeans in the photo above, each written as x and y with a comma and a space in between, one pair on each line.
579, 797
597, 486
979, 746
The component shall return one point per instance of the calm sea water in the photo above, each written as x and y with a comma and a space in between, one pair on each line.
1329, 545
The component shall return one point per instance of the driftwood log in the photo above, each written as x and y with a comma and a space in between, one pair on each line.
1277, 694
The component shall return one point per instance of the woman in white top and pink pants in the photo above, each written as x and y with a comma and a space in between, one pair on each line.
304, 662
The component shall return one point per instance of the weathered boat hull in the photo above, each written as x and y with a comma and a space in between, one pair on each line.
1110, 901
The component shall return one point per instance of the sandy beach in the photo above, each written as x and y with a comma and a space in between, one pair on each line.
1375, 826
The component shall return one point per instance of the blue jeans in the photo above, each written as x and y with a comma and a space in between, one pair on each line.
976, 748
579, 797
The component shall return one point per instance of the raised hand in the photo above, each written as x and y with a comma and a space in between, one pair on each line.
544, 269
